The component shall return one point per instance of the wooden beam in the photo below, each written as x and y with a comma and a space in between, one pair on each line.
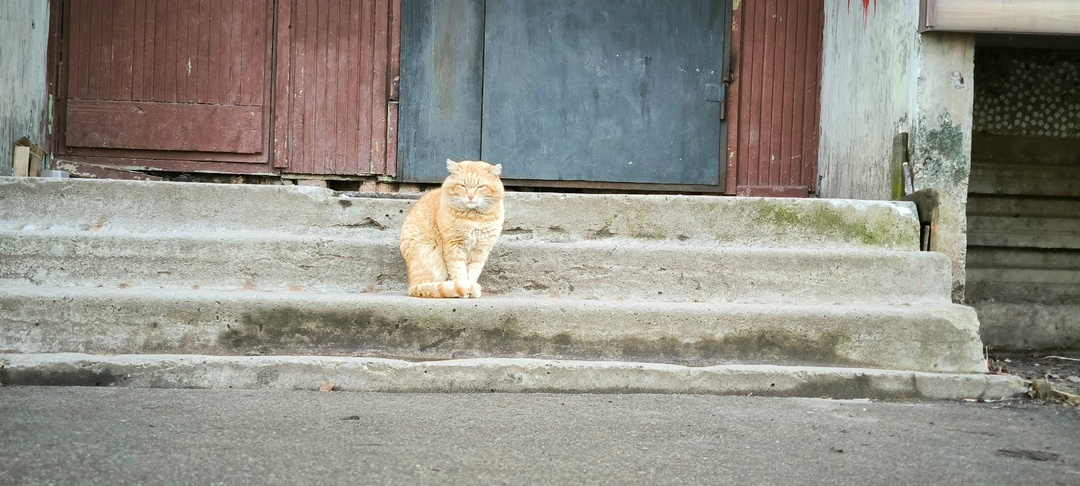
1047, 17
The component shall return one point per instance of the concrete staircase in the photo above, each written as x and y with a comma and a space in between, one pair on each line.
121, 267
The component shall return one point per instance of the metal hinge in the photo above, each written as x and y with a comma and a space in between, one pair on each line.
716, 93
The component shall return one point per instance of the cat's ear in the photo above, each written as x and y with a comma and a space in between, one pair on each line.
451, 166
496, 169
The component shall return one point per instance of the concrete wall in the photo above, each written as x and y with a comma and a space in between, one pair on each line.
881, 77
24, 40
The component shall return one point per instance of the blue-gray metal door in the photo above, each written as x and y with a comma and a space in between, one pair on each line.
623, 91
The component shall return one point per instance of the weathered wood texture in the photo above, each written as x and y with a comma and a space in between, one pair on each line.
774, 100
1002, 16
24, 28
184, 80
337, 61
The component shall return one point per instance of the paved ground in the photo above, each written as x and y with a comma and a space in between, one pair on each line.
84, 435
1060, 368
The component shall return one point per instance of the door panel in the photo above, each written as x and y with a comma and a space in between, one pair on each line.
775, 97
160, 80
442, 56
604, 90
336, 63
164, 126
623, 91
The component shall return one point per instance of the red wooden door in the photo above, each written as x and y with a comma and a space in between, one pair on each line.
336, 65
177, 85
774, 99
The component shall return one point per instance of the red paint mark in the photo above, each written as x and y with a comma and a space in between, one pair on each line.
865, 8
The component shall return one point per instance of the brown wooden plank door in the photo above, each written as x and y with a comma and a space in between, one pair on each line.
177, 85
336, 109
774, 98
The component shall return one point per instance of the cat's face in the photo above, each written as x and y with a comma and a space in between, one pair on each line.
473, 185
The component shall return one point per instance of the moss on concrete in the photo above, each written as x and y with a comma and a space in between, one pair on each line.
291, 330
826, 221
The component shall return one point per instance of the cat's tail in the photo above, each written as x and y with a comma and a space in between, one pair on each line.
447, 289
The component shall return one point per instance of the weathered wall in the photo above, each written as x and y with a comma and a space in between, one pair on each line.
866, 94
24, 38
941, 139
881, 77
1024, 198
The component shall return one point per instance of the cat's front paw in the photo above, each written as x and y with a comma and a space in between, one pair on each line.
469, 290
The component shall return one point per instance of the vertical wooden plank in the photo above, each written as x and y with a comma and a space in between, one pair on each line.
772, 75
366, 79
94, 59
380, 30
138, 49
795, 131
790, 43
755, 84
251, 68
77, 54
182, 46
298, 111
309, 72
390, 168
350, 68
124, 40
322, 124
812, 100
260, 56
330, 94
202, 43
215, 91
736, 113
282, 99
191, 51
150, 62
237, 42
105, 70
776, 159
167, 73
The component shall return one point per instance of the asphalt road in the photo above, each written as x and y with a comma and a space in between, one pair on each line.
61, 435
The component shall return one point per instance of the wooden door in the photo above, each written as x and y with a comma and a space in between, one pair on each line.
336, 111
589, 91
775, 97
179, 85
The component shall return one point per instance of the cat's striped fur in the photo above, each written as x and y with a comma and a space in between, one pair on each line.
448, 234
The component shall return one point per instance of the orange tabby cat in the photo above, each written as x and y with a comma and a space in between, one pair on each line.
448, 233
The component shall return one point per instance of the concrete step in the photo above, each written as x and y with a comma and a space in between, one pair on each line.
587, 269
119, 267
487, 375
165, 207
39, 319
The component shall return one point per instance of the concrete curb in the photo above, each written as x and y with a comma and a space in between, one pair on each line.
493, 375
